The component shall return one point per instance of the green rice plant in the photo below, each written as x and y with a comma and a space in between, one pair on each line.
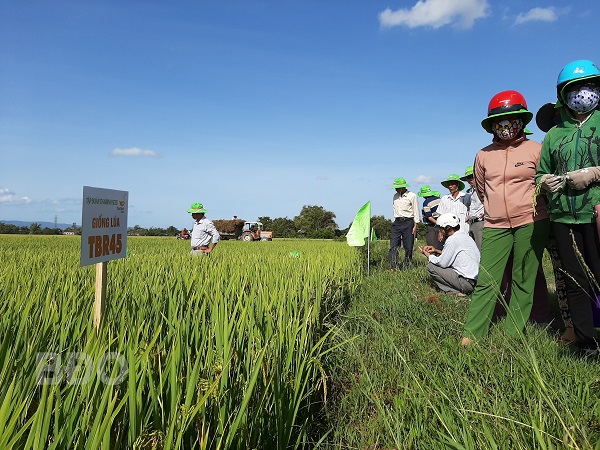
217, 352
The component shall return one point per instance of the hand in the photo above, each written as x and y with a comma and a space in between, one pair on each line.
552, 183
582, 178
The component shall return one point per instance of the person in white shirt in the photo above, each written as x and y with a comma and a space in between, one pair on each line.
455, 268
475, 209
406, 217
204, 234
455, 201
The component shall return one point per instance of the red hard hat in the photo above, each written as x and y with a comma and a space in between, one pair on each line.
506, 101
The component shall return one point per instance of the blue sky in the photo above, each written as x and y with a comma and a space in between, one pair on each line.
256, 108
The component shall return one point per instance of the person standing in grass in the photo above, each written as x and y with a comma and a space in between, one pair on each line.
569, 170
406, 217
505, 180
431, 200
454, 269
547, 117
205, 236
456, 201
474, 209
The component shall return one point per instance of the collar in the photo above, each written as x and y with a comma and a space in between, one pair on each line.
514, 143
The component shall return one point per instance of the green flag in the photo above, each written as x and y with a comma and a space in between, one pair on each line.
373, 235
359, 230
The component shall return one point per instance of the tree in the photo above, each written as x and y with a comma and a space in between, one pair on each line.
283, 227
316, 222
35, 228
382, 227
267, 222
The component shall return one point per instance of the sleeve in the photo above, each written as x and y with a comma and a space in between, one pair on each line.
427, 213
415, 206
442, 207
446, 259
212, 230
545, 164
479, 176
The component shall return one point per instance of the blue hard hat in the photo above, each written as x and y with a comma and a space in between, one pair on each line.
576, 71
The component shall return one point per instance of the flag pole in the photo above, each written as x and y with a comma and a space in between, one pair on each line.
369, 254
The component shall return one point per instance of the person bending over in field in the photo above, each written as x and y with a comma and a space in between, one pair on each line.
454, 268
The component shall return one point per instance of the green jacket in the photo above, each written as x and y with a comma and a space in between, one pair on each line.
568, 147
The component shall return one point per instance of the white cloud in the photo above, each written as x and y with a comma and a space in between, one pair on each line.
134, 152
422, 179
538, 15
8, 197
436, 14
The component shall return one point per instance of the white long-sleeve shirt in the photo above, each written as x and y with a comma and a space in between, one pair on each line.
204, 232
461, 254
406, 205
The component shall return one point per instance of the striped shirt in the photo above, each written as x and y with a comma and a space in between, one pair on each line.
449, 204
430, 206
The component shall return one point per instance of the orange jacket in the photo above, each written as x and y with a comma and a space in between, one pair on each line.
505, 181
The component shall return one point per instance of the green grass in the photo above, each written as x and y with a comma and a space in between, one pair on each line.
262, 347
404, 381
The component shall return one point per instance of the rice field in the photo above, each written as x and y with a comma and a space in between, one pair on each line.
193, 352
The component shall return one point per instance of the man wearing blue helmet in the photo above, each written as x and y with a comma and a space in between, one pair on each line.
569, 171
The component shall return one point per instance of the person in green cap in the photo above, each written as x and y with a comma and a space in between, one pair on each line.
406, 217
504, 174
205, 236
474, 209
456, 202
431, 200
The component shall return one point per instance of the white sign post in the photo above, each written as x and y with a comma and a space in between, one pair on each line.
103, 236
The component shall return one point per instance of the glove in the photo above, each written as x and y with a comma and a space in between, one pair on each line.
582, 178
552, 183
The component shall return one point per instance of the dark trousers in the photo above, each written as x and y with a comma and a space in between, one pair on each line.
431, 236
581, 290
402, 234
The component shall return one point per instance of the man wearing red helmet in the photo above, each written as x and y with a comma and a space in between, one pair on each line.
569, 170
504, 173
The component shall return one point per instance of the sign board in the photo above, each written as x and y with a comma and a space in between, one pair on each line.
103, 225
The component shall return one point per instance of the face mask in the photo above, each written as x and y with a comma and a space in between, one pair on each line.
583, 99
507, 129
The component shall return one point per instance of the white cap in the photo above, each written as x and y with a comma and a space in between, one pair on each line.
447, 220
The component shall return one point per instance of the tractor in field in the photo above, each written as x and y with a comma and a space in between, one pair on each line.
240, 229
253, 231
